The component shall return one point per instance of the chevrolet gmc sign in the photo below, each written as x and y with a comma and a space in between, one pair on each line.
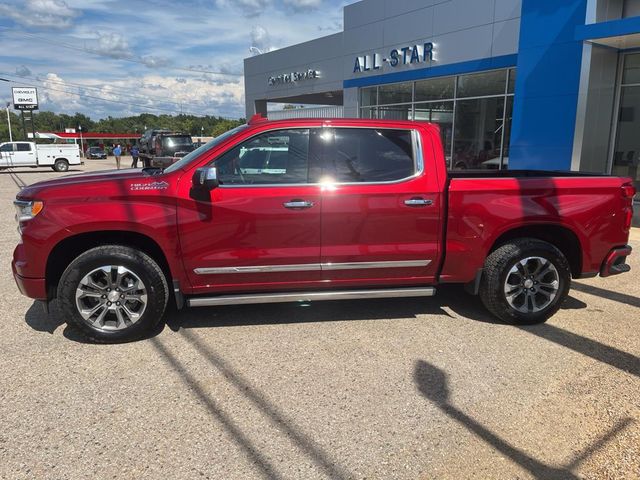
25, 98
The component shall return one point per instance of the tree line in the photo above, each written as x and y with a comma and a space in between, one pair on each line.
209, 126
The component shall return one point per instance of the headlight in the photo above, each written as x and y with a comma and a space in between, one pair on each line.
26, 210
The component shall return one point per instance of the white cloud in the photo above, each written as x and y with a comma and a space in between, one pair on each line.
112, 45
260, 39
130, 96
303, 5
251, 8
153, 61
55, 14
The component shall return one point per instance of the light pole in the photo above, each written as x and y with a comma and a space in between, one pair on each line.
81, 142
9, 122
201, 133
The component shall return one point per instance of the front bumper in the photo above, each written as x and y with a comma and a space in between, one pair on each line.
615, 263
30, 287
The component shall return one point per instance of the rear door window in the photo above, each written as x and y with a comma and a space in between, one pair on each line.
23, 147
367, 155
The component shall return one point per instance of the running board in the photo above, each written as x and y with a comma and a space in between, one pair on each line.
310, 296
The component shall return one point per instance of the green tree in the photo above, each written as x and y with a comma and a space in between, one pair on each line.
53, 122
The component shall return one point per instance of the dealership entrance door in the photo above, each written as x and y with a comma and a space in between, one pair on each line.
626, 150
626, 153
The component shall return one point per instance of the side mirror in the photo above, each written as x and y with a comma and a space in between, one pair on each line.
206, 178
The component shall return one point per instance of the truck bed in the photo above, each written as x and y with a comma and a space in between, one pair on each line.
482, 206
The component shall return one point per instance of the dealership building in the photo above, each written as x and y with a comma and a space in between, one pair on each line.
539, 84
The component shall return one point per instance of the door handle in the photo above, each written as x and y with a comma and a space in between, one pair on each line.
418, 202
298, 204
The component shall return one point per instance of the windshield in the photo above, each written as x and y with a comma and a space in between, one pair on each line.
175, 141
187, 159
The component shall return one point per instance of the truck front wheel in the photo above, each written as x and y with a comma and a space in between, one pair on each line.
525, 281
61, 165
113, 294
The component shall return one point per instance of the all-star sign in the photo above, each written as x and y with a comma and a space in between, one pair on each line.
410, 55
25, 98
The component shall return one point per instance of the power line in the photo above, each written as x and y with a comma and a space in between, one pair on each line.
117, 90
139, 61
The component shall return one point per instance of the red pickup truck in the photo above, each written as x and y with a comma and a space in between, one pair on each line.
302, 210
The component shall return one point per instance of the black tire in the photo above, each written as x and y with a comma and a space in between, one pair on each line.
61, 165
142, 265
497, 268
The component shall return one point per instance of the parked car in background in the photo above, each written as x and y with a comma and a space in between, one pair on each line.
96, 152
309, 210
29, 154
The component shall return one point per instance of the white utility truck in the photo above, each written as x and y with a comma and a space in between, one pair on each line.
28, 154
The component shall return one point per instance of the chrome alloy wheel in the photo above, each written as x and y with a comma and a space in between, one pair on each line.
111, 298
531, 285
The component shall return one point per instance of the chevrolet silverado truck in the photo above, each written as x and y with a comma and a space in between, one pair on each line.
310, 210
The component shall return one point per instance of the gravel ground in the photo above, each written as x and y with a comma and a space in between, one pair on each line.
417, 388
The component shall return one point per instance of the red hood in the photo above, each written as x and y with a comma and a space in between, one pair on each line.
70, 181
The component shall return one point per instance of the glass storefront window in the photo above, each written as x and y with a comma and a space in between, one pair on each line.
395, 93
368, 112
473, 112
440, 113
482, 84
478, 133
435, 89
507, 133
511, 87
368, 96
626, 157
395, 112
631, 73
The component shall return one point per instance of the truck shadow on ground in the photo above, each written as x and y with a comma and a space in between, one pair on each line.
433, 385
451, 301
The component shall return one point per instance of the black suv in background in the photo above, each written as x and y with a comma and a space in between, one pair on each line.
161, 148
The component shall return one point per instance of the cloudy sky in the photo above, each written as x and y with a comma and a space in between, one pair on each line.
124, 57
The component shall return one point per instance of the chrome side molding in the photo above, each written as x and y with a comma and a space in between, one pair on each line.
359, 265
307, 267
311, 267
316, 296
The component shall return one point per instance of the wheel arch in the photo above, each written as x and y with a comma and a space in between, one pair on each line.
69, 248
563, 238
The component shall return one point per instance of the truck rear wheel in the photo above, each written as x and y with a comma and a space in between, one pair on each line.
113, 294
525, 281
61, 165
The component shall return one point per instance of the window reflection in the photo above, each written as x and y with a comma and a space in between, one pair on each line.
440, 113
482, 84
395, 112
478, 134
395, 93
435, 89
626, 157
